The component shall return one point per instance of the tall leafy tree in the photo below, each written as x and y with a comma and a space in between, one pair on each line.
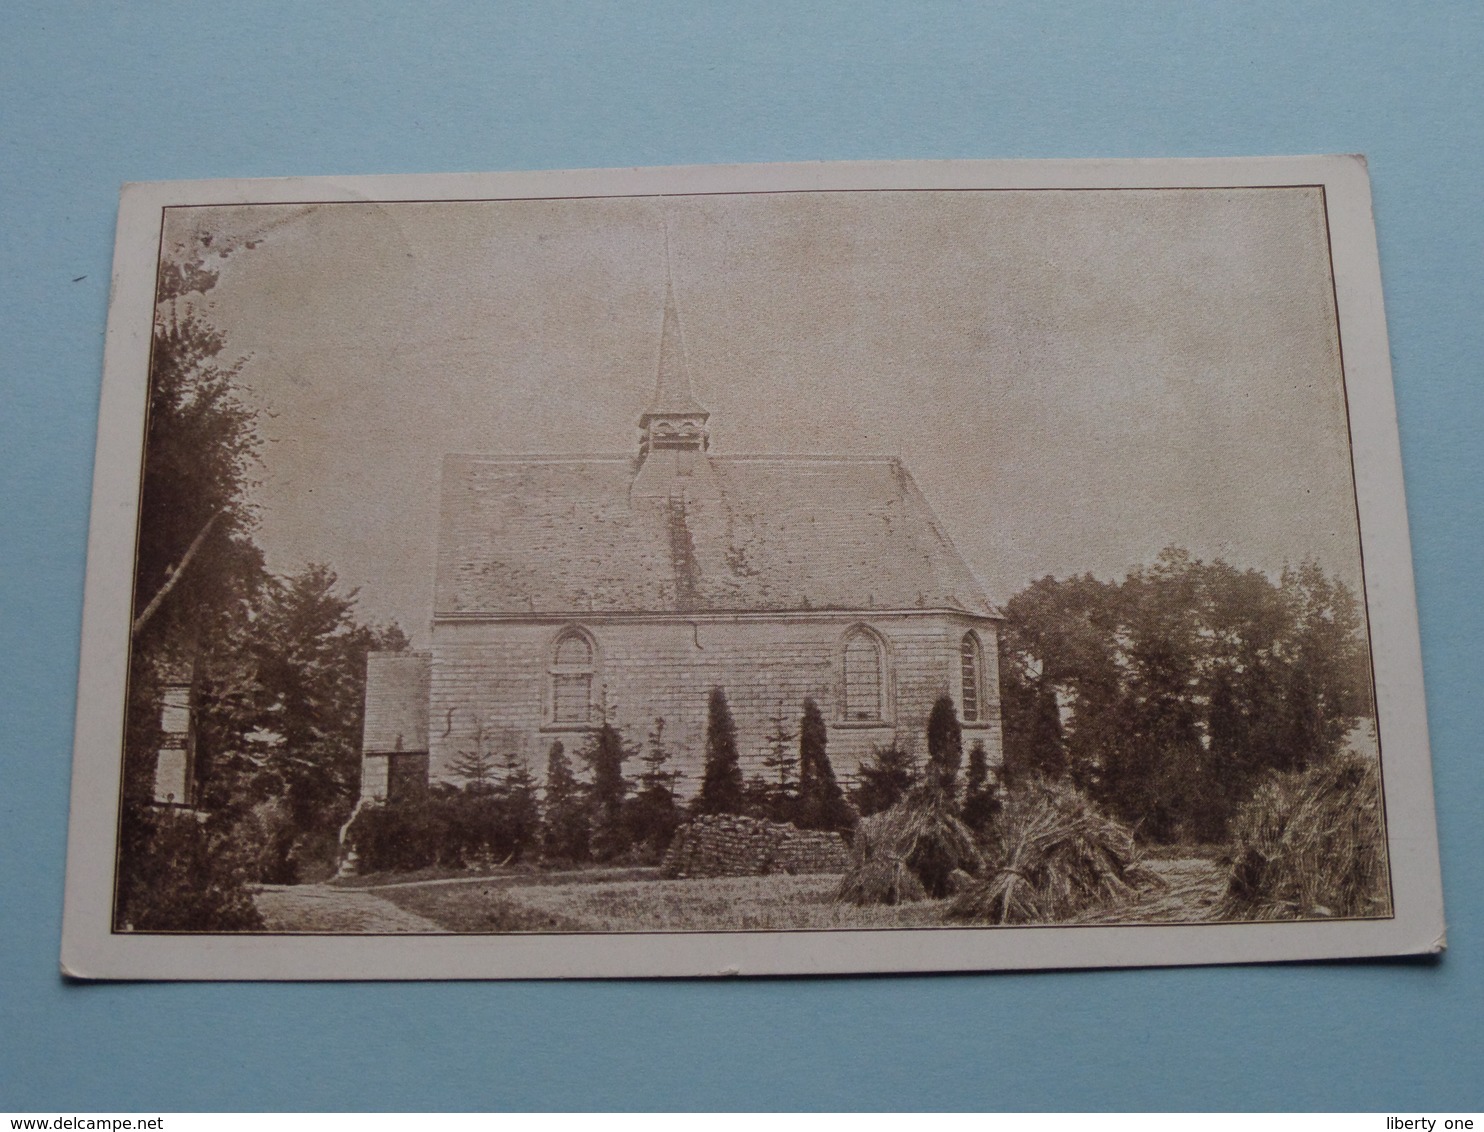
197, 576
197, 569
1169, 694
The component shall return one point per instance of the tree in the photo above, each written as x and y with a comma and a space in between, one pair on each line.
652, 814
945, 742
1031, 716
884, 779
478, 769
981, 803
721, 782
475, 764
1167, 696
197, 574
565, 830
519, 810
197, 569
604, 755
774, 795
656, 759
782, 760
310, 658
1058, 651
822, 804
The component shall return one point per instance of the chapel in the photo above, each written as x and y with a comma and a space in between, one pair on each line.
576, 588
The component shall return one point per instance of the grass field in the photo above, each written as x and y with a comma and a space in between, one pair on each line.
719, 904
584, 902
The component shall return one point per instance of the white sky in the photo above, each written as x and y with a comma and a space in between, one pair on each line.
1075, 379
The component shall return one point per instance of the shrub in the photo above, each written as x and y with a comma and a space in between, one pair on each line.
265, 834
883, 780
399, 837
182, 874
1058, 857
920, 834
1311, 844
651, 818
452, 830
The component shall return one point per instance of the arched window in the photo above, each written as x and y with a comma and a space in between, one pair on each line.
572, 679
971, 666
865, 673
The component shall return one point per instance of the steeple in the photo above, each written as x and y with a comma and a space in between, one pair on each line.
675, 420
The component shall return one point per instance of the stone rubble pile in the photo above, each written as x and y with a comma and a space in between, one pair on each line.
729, 845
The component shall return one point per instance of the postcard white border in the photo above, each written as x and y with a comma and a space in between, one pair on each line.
90, 950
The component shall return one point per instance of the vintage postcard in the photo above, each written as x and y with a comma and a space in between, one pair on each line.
746, 570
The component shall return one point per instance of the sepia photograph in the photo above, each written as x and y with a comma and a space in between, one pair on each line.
940, 566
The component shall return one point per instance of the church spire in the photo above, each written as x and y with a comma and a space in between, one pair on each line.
674, 419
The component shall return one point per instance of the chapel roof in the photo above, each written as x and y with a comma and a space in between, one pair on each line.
565, 535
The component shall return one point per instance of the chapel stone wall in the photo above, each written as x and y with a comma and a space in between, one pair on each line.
490, 680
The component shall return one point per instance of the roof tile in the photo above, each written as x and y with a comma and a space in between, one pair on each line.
532, 534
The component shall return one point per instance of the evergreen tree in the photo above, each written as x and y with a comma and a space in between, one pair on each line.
604, 756
822, 804
475, 764
945, 743
981, 804
656, 759
782, 762
565, 830
310, 657
652, 814
721, 783
519, 811
883, 779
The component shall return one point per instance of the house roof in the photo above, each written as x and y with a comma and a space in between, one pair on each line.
544, 535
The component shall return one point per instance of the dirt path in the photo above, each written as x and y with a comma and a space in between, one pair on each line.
338, 911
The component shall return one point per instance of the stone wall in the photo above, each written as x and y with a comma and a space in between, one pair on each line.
493, 677
729, 845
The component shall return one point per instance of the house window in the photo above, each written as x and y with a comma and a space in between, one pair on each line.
572, 679
864, 672
970, 665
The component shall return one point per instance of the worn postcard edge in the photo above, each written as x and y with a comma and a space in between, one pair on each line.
90, 950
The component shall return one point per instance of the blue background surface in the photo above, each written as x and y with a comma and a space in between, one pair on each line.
91, 96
